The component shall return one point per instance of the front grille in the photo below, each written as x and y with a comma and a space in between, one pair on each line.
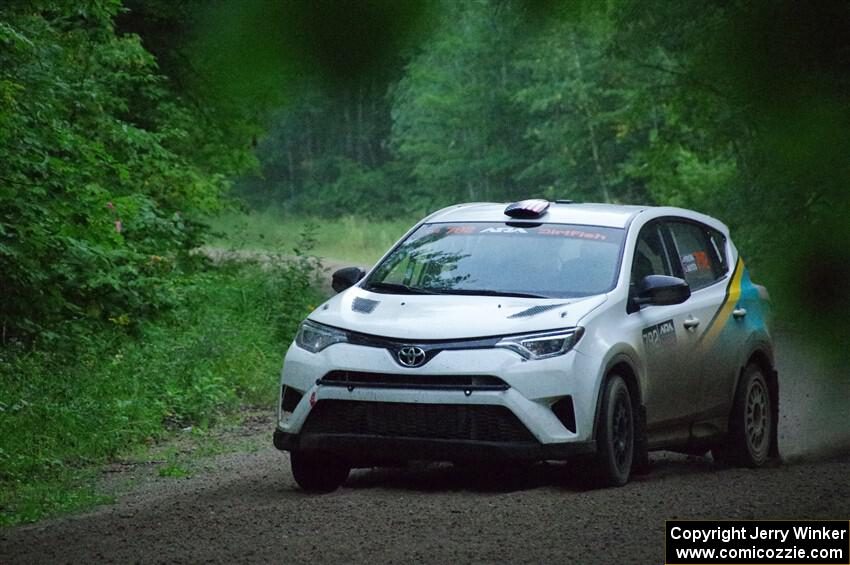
357, 379
414, 420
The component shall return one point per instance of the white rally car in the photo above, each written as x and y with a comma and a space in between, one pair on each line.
535, 331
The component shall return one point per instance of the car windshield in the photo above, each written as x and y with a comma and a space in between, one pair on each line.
538, 260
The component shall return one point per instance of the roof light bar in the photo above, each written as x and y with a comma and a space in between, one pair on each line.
533, 208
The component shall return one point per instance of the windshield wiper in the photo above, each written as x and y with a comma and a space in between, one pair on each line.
488, 292
397, 288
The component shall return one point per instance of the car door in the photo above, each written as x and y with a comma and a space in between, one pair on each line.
700, 253
663, 343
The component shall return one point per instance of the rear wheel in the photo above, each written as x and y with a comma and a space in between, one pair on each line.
615, 442
750, 424
318, 471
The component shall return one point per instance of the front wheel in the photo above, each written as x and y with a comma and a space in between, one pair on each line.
615, 441
318, 471
750, 424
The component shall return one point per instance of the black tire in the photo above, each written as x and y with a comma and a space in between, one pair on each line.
615, 437
318, 471
751, 423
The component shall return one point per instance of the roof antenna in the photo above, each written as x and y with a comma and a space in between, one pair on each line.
533, 208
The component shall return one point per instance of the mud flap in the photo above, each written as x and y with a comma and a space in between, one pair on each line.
640, 463
774, 402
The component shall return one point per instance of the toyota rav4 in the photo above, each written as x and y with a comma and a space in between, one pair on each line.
535, 331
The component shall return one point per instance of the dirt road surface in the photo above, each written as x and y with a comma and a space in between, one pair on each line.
328, 266
245, 506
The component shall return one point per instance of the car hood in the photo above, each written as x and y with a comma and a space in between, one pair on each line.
425, 317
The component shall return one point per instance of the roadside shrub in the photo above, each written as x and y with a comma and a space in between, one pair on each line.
64, 409
99, 194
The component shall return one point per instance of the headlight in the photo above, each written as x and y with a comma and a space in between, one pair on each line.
543, 345
315, 337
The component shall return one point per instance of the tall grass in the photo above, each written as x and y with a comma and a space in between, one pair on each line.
66, 408
348, 238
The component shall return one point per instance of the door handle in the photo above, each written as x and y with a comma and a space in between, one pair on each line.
739, 312
691, 323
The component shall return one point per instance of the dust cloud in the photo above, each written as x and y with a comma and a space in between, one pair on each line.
814, 403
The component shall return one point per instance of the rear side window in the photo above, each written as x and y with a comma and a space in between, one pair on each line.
699, 254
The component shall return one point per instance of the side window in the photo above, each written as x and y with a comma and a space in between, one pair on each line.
650, 254
698, 254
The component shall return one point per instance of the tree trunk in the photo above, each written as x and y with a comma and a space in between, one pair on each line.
291, 166
349, 127
584, 105
360, 137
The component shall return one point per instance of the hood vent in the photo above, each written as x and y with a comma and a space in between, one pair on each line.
364, 305
534, 310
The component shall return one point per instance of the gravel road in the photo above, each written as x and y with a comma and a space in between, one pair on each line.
245, 507
328, 266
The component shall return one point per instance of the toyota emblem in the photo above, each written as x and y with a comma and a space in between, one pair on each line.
411, 356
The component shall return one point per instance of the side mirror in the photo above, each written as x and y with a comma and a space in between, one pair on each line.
661, 290
346, 278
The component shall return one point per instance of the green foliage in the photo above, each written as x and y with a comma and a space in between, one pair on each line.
454, 125
325, 154
498, 104
576, 101
63, 410
64, 491
173, 470
101, 183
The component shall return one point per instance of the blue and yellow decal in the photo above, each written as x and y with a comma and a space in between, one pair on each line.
740, 291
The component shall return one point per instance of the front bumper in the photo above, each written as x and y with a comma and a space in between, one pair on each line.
374, 450
532, 389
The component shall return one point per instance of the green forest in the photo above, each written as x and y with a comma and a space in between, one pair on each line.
134, 133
